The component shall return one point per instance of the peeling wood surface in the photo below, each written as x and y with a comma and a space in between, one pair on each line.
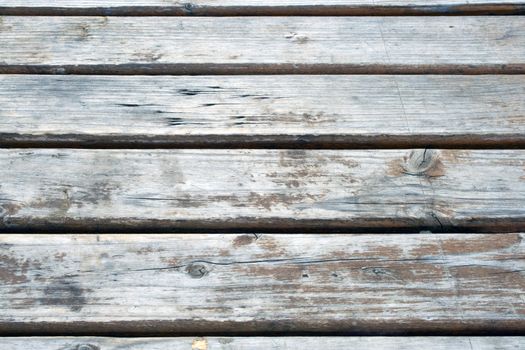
106, 190
264, 343
246, 283
258, 7
233, 45
269, 111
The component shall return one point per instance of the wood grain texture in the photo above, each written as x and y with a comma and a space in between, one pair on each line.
218, 45
258, 7
164, 190
262, 111
262, 284
264, 343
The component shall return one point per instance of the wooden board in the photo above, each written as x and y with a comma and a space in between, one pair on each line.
164, 190
219, 45
262, 111
264, 343
254, 284
260, 7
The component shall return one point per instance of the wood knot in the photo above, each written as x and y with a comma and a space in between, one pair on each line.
197, 270
423, 162
188, 8
87, 347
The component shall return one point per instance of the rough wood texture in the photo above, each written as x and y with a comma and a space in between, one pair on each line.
231, 45
108, 190
265, 343
246, 283
262, 111
260, 7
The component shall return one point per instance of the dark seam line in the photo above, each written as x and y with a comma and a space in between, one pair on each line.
189, 9
264, 69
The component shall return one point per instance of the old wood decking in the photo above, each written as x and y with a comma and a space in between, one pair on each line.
262, 174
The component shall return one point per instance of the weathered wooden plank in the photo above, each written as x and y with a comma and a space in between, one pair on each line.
164, 190
263, 111
246, 283
258, 7
264, 343
160, 45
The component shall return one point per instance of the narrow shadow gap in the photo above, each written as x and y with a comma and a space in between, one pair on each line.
189, 9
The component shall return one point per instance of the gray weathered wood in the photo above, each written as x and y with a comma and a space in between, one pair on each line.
73, 189
265, 343
260, 7
204, 283
164, 45
270, 111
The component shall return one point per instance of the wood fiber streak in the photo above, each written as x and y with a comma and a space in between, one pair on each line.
262, 284
219, 45
262, 111
268, 190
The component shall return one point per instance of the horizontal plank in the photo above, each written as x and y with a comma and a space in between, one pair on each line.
165, 190
263, 343
258, 7
258, 284
262, 111
219, 45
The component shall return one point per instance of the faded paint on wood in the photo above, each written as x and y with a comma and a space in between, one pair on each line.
106, 190
182, 45
264, 343
246, 283
269, 111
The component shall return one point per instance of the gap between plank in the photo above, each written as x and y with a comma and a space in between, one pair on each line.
189, 9
243, 225
147, 328
460, 141
264, 69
